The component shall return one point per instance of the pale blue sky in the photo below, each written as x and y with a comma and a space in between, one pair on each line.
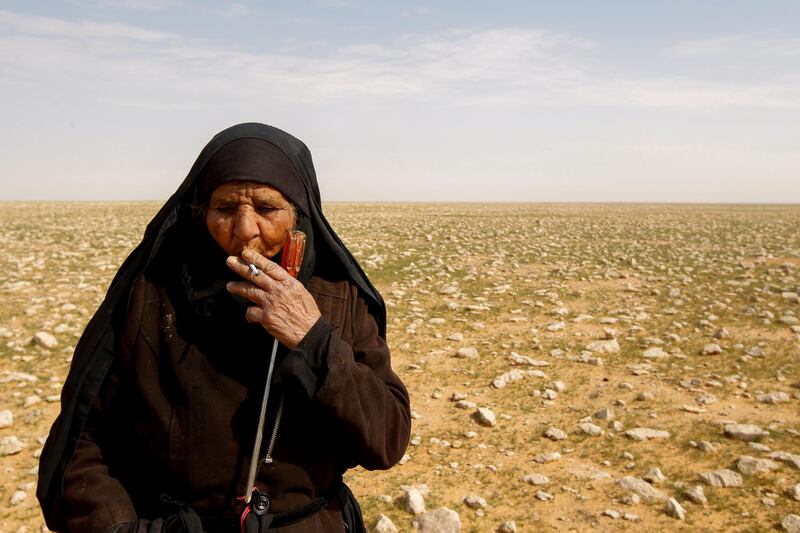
670, 101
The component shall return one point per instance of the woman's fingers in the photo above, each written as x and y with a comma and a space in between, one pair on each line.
254, 274
248, 291
270, 268
254, 315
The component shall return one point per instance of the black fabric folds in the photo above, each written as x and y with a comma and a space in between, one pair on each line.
97, 346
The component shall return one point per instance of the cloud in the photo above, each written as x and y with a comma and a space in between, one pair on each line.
505, 67
734, 47
138, 5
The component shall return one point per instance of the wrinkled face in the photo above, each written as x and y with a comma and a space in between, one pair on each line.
246, 214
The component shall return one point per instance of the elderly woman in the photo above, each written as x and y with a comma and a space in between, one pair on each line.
162, 403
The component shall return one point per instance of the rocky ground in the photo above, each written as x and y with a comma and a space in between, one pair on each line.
571, 367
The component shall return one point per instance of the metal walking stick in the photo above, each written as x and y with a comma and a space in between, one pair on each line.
291, 260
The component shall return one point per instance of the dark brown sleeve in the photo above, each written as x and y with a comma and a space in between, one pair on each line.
95, 500
359, 388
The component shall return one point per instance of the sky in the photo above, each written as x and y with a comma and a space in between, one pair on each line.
463, 100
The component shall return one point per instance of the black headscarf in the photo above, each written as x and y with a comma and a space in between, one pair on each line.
97, 346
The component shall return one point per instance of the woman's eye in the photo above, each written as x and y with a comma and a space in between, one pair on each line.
266, 210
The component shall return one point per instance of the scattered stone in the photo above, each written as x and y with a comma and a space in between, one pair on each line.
384, 525
473, 501
794, 492
543, 496
791, 459
753, 465
32, 400
518, 359
654, 476
655, 353
10, 445
675, 510
745, 432
457, 337
547, 457
6, 419
791, 523
441, 520
18, 497
413, 500
773, 398
611, 513
467, 353
642, 488
17, 376
644, 396
590, 429
606, 413
711, 349
44, 339
589, 473
721, 478
603, 346
641, 434
507, 527
554, 433
697, 495
484, 417
515, 374
536, 479
706, 446
630, 517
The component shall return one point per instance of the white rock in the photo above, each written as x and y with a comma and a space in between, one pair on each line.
642, 489
10, 445
507, 527
467, 353
654, 476
384, 525
484, 417
515, 374
18, 497
791, 459
6, 419
745, 432
473, 501
543, 496
441, 520
31, 401
553, 433
697, 495
773, 398
458, 337
791, 523
17, 376
590, 429
646, 434
655, 353
675, 510
754, 465
413, 501
536, 479
721, 478
603, 346
547, 457
42, 338
611, 513
711, 349
556, 326
794, 492
518, 359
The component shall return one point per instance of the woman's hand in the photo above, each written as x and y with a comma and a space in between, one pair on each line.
282, 305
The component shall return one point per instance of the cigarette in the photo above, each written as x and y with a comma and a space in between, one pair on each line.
254, 270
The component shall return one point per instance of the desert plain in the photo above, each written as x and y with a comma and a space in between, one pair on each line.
571, 367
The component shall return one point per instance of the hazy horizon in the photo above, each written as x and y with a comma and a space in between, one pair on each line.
532, 102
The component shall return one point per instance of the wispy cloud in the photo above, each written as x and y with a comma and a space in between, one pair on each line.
138, 5
501, 67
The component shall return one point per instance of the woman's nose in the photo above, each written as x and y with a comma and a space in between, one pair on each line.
246, 227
